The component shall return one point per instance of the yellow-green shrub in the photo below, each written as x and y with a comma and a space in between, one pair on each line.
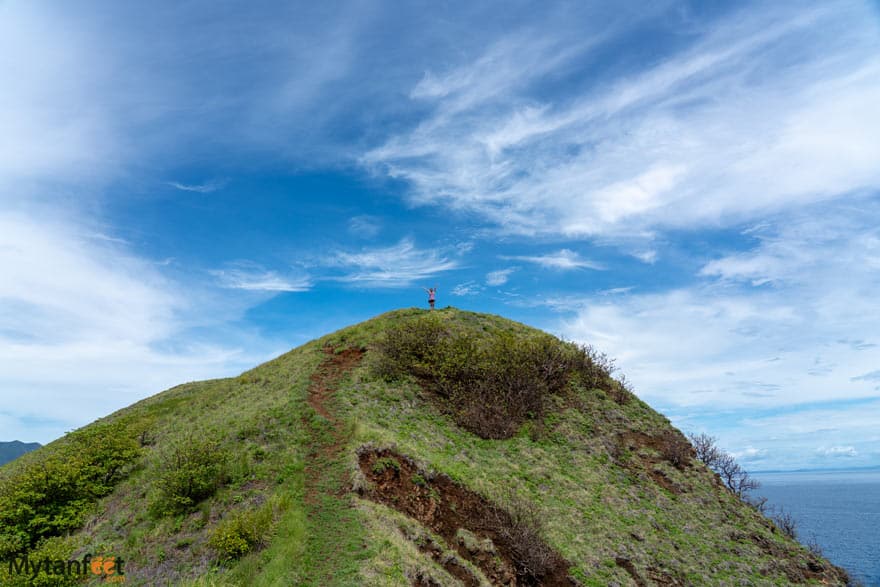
243, 531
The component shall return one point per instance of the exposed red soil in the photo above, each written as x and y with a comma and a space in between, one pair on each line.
321, 389
636, 441
453, 567
328, 374
445, 507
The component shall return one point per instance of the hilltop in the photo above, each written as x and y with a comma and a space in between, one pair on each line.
14, 449
416, 448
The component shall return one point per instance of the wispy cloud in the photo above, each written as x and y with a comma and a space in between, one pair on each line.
364, 226
669, 146
712, 342
398, 265
468, 288
648, 256
837, 451
499, 277
869, 376
562, 259
85, 321
253, 277
201, 188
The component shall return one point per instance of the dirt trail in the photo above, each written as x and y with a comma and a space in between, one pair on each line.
321, 389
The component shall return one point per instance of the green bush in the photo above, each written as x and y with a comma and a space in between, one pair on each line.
489, 382
243, 531
57, 548
50, 494
187, 471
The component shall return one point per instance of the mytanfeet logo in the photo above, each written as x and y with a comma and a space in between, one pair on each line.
110, 568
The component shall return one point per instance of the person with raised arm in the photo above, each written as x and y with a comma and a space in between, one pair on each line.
432, 294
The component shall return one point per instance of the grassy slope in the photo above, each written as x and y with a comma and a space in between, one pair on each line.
601, 505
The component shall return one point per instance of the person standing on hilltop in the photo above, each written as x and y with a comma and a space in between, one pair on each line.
432, 292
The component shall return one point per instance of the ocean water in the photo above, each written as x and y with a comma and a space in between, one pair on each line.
839, 510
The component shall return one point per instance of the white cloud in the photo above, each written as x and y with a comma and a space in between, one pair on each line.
671, 146
750, 454
399, 265
468, 288
201, 188
790, 437
837, 451
870, 376
808, 334
364, 226
53, 122
562, 259
84, 323
253, 277
499, 277
648, 256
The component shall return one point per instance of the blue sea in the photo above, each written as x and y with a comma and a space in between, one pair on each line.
839, 510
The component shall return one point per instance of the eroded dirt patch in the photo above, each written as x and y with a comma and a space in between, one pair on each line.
452, 511
636, 442
327, 376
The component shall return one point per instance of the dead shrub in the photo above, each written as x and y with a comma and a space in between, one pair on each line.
732, 474
706, 448
676, 449
519, 524
786, 522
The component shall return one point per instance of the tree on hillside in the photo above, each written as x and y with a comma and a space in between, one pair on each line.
734, 476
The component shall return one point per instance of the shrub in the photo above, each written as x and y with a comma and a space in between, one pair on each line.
51, 494
706, 448
676, 449
187, 471
595, 368
732, 474
56, 548
385, 463
786, 522
243, 531
519, 524
489, 383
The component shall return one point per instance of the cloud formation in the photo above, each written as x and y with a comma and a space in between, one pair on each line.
705, 136
399, 265
499, 277
253, 277
563, 259
83, 322
200, 188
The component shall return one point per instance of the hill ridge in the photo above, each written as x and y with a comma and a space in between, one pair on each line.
287, 474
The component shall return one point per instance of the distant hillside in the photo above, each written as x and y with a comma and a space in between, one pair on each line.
14, 449
417, 448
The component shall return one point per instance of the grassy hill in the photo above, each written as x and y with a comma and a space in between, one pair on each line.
12, 450
417, 448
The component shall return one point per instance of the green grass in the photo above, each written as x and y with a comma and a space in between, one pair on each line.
289, 472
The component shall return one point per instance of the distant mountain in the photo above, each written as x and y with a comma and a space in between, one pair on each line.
12, 450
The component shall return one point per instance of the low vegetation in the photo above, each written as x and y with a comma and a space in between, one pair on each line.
44, 498
490, 383
186, 471
256, 479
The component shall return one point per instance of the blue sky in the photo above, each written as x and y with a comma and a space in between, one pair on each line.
189, 189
